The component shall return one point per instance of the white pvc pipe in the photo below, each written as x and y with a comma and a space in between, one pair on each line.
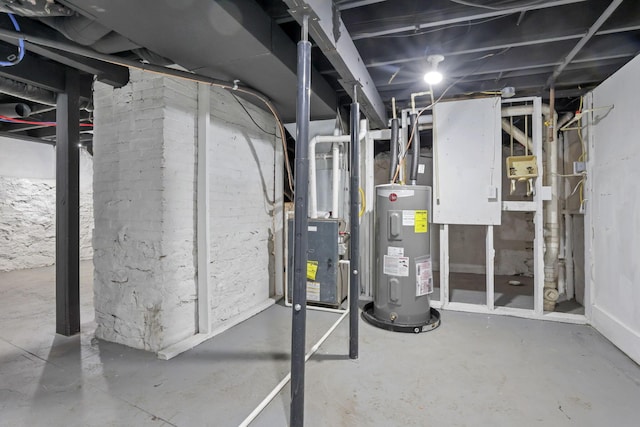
523, 110
517, 134
322, 139
335, 164
277, 389
313, 187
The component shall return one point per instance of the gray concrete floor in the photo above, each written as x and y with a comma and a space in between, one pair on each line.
471, 288
475, 370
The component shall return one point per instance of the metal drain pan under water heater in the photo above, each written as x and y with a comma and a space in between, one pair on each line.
403, 276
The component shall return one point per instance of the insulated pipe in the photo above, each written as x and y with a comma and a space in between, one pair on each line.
414, 133
335, 174
395, 125
354, 241
301, 223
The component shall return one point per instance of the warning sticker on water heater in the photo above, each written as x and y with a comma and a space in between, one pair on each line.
421, 222
424, 276
396, 266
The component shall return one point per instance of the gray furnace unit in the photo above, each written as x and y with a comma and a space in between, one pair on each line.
324, 284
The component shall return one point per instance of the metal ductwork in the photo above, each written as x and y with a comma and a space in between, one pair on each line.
80, 29
35, 8
15, 110
226, 40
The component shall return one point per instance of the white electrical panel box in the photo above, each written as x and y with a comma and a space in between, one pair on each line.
467, 169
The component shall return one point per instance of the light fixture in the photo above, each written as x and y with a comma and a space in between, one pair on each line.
508, 92
433, 76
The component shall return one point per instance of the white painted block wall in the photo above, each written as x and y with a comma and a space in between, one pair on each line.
27, 204
242, 206
145, 203
613, 210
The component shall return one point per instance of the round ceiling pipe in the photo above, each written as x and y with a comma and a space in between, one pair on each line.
15, 110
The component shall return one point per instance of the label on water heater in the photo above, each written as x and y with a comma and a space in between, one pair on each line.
393, 251
421, 168
396, 266
424, 276
408, 218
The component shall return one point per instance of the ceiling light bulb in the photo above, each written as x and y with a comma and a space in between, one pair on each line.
433, 77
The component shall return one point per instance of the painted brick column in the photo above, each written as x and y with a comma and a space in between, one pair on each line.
144, 204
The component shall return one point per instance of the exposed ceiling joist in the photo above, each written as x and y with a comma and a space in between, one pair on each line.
463, 18
583, 41
493, 47
34, 71
352, 4
331, 35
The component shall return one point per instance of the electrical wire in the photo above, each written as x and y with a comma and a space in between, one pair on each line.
504, 7
252, 119
34, 122
20, 45
163, 71
430, 106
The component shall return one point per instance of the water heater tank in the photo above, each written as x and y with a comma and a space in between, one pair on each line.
403, 276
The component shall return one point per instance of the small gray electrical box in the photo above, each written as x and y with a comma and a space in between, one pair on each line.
579, 167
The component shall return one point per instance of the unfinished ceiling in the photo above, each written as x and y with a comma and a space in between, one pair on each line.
380, 45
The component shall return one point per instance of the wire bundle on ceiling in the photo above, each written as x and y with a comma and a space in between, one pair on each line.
20, 45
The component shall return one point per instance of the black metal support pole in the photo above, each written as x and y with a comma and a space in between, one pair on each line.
68, 208
300, 242
354, 246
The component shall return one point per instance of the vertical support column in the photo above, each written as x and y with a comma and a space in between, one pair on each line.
444, 265
538, 219
300, 230
590, 265
354, 282
490, 254
203, 204
68, 208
